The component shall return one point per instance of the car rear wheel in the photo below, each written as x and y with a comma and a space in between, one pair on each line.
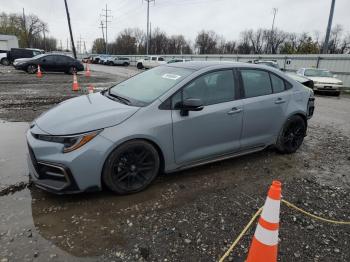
139, 66
5, 62
292, 135
125, 64
31, 69
131, 167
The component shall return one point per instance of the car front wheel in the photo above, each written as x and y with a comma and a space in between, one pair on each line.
5, 62
292, 135
72, 70
31, 69
131, 167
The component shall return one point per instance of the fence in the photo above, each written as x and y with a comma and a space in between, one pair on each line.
338, 64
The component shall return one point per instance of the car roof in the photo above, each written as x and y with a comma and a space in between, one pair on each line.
198, 65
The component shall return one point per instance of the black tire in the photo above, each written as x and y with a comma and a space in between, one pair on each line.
31, 69
131, 167
292, 135
125, 64
72, 70
139, 66
336, 93
110, 63
5, 62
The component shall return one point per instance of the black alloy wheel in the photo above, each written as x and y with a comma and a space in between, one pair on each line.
131, 167
292, 135
31, 69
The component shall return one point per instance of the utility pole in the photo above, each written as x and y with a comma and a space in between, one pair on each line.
70, 30
274, 12
329, 27
147, 40
106, 16
25, 28
103, 34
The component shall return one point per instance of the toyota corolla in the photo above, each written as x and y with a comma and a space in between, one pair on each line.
166, 119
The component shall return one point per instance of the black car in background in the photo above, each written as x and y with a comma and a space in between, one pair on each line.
49, 63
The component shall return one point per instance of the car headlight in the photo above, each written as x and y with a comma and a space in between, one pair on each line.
70, 143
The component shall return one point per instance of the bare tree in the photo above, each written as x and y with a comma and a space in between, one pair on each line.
256, 39
206, 42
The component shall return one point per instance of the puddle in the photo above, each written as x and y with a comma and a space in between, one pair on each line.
13, 149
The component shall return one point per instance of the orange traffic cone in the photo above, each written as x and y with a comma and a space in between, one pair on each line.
87, 73
75, 86
265, 241
90, 89
38, 72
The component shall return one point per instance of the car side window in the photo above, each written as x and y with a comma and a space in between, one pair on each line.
154, 58
160, 59
49, 59
212, 88
256, 82
278, 84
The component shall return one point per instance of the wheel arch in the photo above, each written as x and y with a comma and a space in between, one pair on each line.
148, 140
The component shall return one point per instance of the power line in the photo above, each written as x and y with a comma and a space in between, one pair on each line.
105, 14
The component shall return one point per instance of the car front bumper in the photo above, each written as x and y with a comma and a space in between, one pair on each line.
67, 173
327, 87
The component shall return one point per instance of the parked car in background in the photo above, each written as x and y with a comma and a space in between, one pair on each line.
49, 63
87, 59
166, 119
16, 53
96, 59
104, 59
177, 60
3, 57
272, 63
123, 61
301, 79
150, 62
323, 80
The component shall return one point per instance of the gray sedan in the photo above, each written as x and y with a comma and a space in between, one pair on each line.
166, 119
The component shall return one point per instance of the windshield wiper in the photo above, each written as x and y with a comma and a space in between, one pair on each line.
120, 98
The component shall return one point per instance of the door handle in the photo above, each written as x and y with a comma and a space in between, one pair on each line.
234, 110
280, 101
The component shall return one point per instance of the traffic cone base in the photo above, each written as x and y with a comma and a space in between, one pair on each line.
262, 252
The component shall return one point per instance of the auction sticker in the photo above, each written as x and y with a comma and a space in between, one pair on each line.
171, 76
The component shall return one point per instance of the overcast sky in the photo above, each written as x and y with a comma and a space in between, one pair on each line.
187, 17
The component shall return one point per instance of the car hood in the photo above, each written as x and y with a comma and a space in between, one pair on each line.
82, 114
328, 80
20, 60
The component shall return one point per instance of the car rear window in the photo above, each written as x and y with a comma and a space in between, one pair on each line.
256, 82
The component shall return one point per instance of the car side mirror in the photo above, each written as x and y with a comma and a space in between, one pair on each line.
191, 104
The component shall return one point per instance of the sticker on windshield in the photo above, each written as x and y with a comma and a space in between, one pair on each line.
171, 76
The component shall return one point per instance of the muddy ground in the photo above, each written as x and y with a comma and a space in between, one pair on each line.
192, 215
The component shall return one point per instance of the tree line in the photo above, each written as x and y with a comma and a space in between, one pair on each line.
30, 30
132, 41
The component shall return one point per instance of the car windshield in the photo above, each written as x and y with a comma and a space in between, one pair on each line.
144, 88
318, 72
38, 56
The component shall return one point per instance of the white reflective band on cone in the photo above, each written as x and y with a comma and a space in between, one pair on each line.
271, 210
267, 237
